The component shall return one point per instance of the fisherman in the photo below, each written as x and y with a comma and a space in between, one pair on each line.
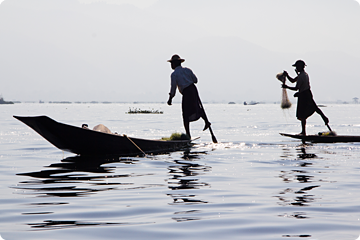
184, 79
306, 105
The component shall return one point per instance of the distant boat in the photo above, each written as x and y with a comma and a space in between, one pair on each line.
2, 101
231, 102
250, 103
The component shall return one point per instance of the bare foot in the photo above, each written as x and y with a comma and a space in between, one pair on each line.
207, 125
326, 120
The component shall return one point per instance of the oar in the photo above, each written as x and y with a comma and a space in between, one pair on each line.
211, 132
212, 135
331, 131
327, 124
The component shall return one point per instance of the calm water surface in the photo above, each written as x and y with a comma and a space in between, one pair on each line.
254, 184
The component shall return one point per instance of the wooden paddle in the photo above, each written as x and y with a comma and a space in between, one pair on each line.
326, 120
211, 132
212, 135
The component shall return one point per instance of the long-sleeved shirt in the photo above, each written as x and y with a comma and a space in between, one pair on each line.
182, 77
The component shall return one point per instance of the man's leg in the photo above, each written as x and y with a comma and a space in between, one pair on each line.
187, 128
303, 127
207, 123
325, 119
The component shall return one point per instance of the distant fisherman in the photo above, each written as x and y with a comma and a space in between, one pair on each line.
184, 79
306, 105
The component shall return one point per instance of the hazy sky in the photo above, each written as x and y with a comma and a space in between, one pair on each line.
116, 50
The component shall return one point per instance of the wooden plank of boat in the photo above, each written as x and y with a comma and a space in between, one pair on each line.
323, 139
88, 142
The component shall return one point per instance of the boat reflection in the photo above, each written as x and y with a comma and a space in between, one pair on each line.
50, 224
60, 180
298, 197
73, 177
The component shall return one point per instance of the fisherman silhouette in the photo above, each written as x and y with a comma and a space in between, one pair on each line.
184, 79
306, 105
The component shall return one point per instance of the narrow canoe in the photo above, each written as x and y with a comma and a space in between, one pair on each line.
323, 139
88, 142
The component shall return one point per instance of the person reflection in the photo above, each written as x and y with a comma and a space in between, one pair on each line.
298, 197
303, 155
183, 176
183, 180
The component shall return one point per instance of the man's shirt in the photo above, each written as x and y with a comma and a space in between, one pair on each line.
303, 82
182, 77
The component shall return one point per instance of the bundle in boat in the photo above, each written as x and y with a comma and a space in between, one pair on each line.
285, 102
328, 133
176, 136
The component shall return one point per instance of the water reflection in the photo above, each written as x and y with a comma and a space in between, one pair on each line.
60, 181
73, 177
184, 175
50, 224
184, 178
298, 197
54, 225
300, 236
82, 176
304, 155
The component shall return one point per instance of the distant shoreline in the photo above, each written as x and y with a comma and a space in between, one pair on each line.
321, 103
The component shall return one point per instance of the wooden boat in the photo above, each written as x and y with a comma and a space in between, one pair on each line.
322, 138
84, 141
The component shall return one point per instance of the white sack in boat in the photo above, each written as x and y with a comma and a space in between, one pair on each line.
101, 128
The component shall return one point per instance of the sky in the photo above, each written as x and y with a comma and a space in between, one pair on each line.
116, 50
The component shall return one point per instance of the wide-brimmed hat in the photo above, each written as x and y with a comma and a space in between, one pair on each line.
176, 58
299, 63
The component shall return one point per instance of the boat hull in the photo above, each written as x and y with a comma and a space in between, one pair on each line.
88, 142
323, 139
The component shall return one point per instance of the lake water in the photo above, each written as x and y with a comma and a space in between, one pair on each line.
253, 184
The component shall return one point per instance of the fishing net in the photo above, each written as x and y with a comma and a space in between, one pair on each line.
285, 102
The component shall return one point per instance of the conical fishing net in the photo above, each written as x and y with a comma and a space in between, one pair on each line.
285, 102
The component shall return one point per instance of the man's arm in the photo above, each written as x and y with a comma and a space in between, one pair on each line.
290, 78
291, 88
172, 90
169, 102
